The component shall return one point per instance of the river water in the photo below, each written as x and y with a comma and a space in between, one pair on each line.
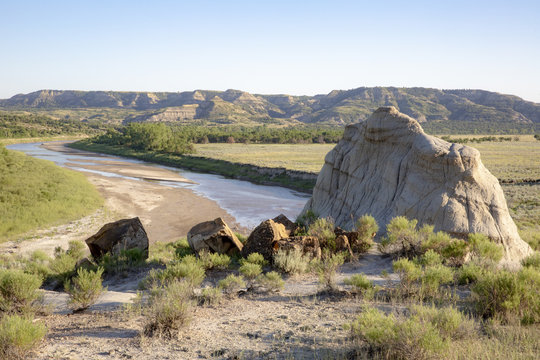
248, 203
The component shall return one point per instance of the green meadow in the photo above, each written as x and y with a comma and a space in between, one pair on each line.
36, 193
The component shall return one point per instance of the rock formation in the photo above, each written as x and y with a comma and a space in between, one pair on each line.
120, 235
213, 236
263, 237
387, 166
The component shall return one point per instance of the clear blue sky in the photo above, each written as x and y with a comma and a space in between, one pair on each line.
294, 47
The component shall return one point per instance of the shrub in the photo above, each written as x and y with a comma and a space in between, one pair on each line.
188, 269
19, 336
360, 284
211, 296
323, 229
250, 270
18, 291
402, 239
532, 261
408, 273
423, 281
84, 289
432, 278
292, 262
504, 295
426, 333
231, 284
307, 218
62, 266
485, 249
214, 260
430, 258
254, 258
183, 248
124, 261
76, 249
469, 273
327, 268
169, 309
455, 251
38, 264
271, 281
366, 228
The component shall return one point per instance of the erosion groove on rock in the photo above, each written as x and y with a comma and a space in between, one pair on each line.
387, 166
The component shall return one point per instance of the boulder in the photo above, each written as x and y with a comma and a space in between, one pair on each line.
342, 244
262, 238
306, 244
387, 166
214, 236
120, 235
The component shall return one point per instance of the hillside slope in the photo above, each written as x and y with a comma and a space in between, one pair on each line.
338, 107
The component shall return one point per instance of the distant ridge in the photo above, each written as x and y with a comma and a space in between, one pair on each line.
336, 108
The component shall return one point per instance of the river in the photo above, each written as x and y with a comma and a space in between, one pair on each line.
248, 203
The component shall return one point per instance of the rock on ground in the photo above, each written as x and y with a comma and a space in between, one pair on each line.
213, 236
120, 235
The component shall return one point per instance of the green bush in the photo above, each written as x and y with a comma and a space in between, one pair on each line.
271, 281
402, 239
469, 273
84, 289
250, 270
292, 262
423, 277
124, 261
367, 228
323, 229
188, 269
231, 284
483, 248
506, 295
211, 296
426, 333
214, 260
361, 285
409, 273
19, 336
38, 264
327, 268
532, 261
170, 309
430, 258
183, 248
432, 278
254, 258
76, 249
452, 250
307, 218
18, 291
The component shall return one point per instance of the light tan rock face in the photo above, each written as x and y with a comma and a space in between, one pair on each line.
387, 166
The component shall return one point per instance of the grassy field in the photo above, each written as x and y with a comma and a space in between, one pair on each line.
506, 160
36, 193
309, 157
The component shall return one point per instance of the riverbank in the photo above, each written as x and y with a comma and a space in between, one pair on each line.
35, 194
292, 179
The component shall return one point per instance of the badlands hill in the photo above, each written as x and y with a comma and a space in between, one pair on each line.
339, 107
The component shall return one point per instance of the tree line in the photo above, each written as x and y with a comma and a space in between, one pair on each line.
35, 125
